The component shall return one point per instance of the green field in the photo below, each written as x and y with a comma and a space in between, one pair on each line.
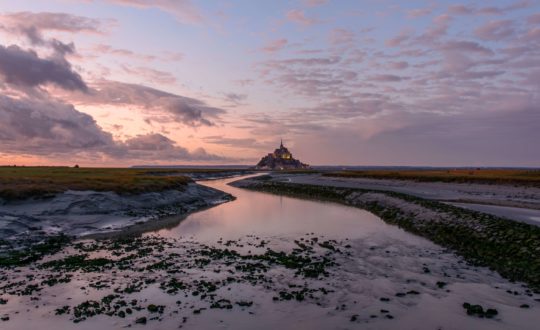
25, 182
489, 176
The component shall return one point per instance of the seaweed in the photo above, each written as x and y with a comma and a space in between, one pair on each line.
34, 253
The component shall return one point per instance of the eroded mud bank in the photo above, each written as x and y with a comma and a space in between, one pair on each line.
83, 213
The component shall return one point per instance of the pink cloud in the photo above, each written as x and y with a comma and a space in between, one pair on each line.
533, 34
399, 39
506, 9
150, 75
298, 16
313, 3
398, 65
460, 10
467, 46
275, 45
438, 29
183, 10
34, 25
534, 19
415, 13
341, 36
495, 30
386, 78
157, 105
107, 49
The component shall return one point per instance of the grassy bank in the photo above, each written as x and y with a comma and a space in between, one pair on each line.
510, 248
25, 182
489, 176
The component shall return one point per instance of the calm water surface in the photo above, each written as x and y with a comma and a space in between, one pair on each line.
267, 215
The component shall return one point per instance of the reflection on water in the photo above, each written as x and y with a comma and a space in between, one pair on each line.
267, 215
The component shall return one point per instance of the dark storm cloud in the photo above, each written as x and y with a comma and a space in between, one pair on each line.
25, 68
42, 127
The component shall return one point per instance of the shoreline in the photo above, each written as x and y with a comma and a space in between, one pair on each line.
510, 248
152, 225
95, 215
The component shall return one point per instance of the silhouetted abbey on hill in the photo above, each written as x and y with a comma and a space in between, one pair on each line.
280, 159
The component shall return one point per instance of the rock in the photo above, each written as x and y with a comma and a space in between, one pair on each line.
477, 310
490, 312
141, 320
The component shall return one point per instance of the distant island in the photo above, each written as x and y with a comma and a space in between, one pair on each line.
280, 159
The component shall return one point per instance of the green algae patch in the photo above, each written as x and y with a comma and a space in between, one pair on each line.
34, 253
79, 262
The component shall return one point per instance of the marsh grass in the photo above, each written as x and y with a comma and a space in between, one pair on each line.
530, 177
25, 182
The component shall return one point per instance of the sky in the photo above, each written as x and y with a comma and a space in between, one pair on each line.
342, 82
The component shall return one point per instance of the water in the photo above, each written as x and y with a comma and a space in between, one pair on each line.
267, 215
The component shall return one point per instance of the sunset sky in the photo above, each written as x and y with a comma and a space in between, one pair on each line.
350, 82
